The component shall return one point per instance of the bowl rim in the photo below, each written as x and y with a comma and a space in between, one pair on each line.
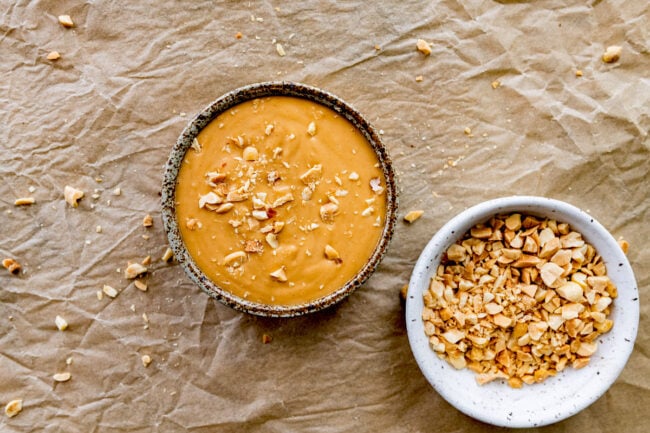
224, 103
473, 400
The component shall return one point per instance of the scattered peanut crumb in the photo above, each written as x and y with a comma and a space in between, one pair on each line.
53, 55
66, 21
578, 73
60, 323
62, 377
279, 275
146, 261
612, 54
134, 270
413, 215
238, 35
13, 408
68, 360
98, 229
140, 285
117, 191
332, 254
100, 295
266, 338
109, 291
377, 47
169, 255
496, 84
419, 78
147, 221
625, 245
423, 47
467, 131
146, 360
72, 195
11, 265
404, 291
280, 50
311, 129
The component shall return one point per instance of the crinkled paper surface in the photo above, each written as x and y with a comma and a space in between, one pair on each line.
131, 75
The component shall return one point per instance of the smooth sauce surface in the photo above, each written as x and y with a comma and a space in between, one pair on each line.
281, 201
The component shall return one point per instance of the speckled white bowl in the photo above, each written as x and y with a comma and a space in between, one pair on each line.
558, 397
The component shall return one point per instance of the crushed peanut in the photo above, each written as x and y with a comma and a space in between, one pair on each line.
332, 254
280, 49
404, 291
23, 201
311, 128
60, 323
66, 21
13, 408
495, 84
146, 360
518, 298
625, 245
110, 291
413, 215
53, 55
266, 339
72, 195
423, 47
169, 255
62, 377
147, 221
11, 265
279, 275
140, 285
134, 270
612, 54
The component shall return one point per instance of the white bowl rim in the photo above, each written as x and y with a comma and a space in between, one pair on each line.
552, 400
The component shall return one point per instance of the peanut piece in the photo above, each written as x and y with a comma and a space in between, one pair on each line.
13, 408
235, 259
612, 54
134, 270
168, 255
332, 254
311, 128
279, 275
11, 265
109, 291
140, 285
413, 215
147, 221
24, 201
72, 195
66, 21
423, 47
60, 323
62, 377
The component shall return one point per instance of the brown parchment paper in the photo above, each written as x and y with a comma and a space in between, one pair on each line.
131, 75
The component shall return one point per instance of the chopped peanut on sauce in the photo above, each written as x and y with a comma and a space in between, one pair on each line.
518, 298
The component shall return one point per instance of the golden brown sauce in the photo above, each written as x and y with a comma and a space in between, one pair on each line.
280, 180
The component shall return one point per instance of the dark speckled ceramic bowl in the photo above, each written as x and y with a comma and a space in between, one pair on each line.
184, 142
